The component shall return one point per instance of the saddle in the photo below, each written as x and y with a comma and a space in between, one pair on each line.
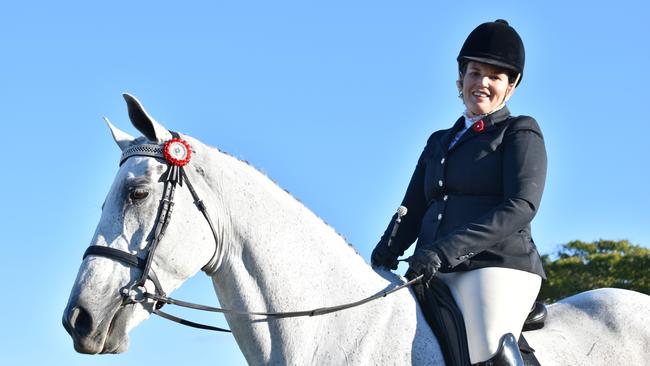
446, 321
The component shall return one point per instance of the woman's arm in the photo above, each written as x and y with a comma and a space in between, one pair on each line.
409, 229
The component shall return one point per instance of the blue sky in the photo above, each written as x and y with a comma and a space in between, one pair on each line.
334, 100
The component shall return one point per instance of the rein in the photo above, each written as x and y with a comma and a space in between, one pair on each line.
177, 153
286, 314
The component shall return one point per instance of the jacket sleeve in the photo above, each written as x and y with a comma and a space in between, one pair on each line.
524, 175
415, 202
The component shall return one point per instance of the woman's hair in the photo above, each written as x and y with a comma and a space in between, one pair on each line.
512, 74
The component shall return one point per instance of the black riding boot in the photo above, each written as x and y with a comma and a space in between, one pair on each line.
507, 355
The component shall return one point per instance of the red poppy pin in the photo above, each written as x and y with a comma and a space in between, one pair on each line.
478, 126
177, 152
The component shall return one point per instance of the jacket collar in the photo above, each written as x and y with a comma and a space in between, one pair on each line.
496, 117
489, 122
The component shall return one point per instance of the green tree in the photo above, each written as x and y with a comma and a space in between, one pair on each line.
584, 266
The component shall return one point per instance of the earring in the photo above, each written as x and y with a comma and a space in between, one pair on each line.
460, 94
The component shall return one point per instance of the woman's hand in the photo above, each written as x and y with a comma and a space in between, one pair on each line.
425, 262
383, 256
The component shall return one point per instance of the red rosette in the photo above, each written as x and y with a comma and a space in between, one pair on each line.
177, 152
478, 126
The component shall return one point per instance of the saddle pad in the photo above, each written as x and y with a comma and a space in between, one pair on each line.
445, 319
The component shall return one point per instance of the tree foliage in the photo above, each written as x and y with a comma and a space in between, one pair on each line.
584, 266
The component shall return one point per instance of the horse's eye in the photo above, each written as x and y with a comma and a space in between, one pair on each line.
138, 194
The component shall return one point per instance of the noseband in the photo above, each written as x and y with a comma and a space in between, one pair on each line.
177, 153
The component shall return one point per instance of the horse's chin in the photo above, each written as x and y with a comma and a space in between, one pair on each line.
125, 319
122, 347
117, 338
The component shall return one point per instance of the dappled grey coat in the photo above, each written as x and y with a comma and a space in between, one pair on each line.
473, 203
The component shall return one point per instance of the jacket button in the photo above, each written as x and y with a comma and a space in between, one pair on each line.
439, 217
445, 198
442, 161
440, 183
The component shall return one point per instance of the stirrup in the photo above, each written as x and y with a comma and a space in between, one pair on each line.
507, 355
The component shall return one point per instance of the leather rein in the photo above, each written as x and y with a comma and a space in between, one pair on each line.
177, 153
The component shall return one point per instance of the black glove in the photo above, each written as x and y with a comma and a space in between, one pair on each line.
425, 262
383, 256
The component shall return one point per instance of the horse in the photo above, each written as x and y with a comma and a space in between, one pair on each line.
266, 252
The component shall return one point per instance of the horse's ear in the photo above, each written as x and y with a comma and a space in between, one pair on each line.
122, 138
151, 129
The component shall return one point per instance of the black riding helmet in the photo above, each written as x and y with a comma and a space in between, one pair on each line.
494, 43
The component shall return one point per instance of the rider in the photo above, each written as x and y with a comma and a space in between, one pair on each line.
474, 192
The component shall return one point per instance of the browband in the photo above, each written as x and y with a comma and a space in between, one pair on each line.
151, 150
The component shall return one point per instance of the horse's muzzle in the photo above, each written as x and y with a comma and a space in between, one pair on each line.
78, 323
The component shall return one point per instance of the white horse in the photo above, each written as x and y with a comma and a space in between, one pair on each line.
273, 254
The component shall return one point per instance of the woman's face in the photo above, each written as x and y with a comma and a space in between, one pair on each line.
485, 87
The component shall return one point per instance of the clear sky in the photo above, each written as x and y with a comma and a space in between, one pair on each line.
334, 100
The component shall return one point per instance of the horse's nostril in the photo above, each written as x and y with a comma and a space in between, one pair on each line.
78, 320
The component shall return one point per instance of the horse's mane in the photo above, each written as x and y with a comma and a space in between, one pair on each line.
264, 174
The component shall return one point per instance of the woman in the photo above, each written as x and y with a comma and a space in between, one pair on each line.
474, 192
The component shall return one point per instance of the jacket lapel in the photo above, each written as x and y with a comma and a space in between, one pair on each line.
451, 133
488, 121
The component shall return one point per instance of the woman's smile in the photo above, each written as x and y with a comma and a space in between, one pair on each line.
481, 96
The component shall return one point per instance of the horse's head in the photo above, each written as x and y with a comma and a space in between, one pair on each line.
108, 298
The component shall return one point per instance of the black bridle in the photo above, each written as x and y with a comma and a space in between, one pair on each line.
176, 153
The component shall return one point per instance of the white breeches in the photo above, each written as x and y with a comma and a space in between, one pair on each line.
494, 301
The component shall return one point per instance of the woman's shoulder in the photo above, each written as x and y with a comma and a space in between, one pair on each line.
434, 142
437, 135
522, 123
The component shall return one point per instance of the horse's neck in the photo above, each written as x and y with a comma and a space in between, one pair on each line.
276, 247
279, 256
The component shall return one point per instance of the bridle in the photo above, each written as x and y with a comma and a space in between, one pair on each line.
177, 153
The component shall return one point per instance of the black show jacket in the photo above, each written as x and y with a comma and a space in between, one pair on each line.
473, 203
